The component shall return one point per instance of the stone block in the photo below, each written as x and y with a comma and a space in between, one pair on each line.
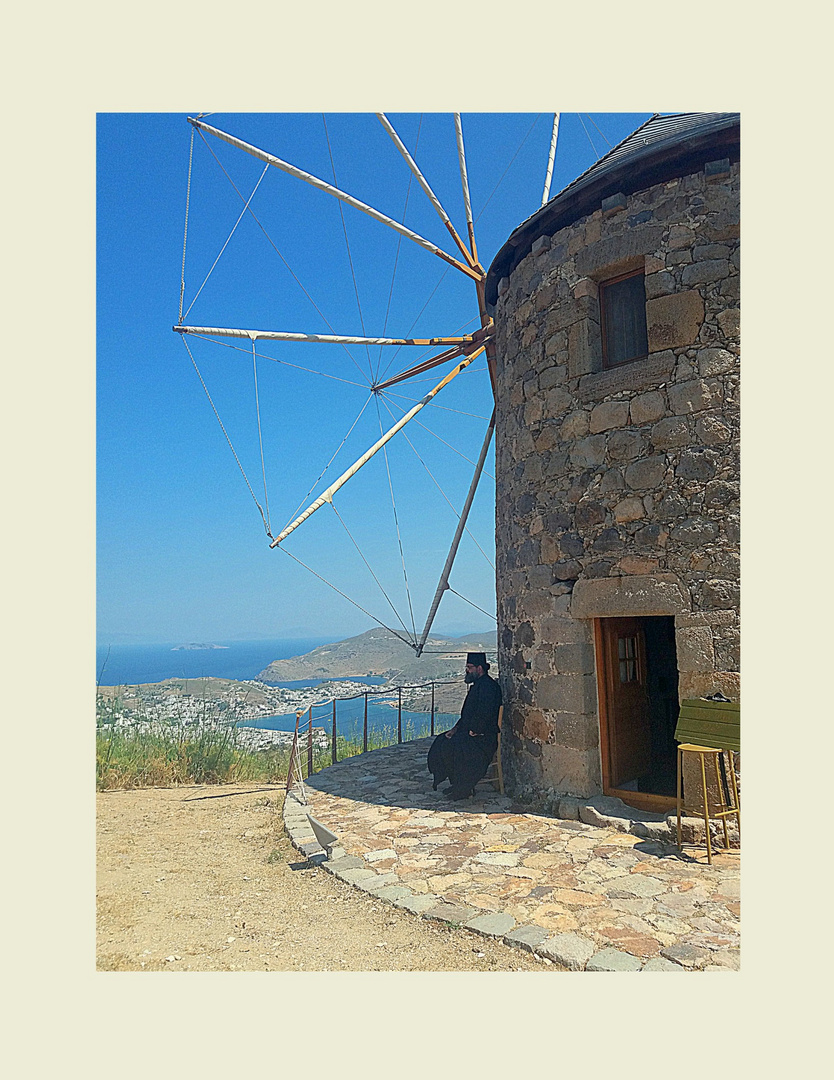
674, 321
613, 203
695, 396
568, 808
618, 254
610, 414
680, 236
646, 473
625, 445
574, 659
586, 287
695, 684
557, 401
613, 960
647, 408
638, 375
657, 594
540, 245
575, 731
695, 649
708, 271
716, 362
527, 937
670, 433
728, 322
567, 693
575, 426
569, 950
696, 465
560, 631
657, 285
630, 509
535, 727
660, 963
588, 452
688, 956
695, 531
566, 769
417, 904
584, 348
637, 564
452, 913
720, 593
492, 925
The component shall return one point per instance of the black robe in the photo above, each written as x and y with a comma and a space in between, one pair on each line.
465, 758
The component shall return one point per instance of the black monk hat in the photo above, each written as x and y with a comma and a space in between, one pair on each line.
477, 659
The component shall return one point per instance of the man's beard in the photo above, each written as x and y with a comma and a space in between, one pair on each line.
470, 677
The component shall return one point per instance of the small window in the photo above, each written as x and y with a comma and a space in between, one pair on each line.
627, 655
622, 303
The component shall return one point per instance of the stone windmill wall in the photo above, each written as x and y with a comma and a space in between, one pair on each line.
617, 489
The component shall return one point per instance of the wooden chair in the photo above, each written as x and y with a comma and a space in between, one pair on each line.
707, 729
495, 774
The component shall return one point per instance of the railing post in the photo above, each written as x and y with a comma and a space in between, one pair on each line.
310, 743
399, 714
432, 708
333, 741
365, 727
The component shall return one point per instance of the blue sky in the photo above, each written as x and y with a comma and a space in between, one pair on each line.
181, 549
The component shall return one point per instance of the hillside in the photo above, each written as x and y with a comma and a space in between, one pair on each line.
378, 652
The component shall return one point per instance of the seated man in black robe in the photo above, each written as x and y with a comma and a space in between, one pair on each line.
464, 753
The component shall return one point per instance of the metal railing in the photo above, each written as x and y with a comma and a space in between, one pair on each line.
295, 769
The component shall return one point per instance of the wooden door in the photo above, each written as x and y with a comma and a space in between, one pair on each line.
627, 712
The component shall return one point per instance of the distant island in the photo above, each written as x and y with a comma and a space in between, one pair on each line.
195, 646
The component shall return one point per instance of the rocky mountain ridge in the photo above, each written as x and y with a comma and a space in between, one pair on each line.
380, 653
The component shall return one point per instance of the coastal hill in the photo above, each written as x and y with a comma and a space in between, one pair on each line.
379, 653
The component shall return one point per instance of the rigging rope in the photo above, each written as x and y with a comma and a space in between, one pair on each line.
185, 233
443, 493
397, 255
279, 254
286, 363
488, 615
347, 245
294, 514
260, 435
228, 440
379, 622
590, 140
370, 571
596, 125
396, 522
512, 159
231, 234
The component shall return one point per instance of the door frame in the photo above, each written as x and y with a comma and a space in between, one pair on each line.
640, 800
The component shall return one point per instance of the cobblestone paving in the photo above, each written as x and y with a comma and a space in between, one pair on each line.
587, 898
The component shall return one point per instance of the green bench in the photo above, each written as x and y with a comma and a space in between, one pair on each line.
707, 729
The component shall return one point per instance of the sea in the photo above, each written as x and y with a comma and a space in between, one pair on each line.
131, 665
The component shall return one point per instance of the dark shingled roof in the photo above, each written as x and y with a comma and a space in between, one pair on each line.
660, 149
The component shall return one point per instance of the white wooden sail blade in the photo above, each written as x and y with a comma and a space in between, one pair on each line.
327, 496
464, 179
322, 185
327, 339
424, 184
551, 157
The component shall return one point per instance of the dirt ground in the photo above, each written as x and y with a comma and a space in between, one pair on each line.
202, 879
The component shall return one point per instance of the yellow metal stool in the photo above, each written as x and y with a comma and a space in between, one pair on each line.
718, 723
